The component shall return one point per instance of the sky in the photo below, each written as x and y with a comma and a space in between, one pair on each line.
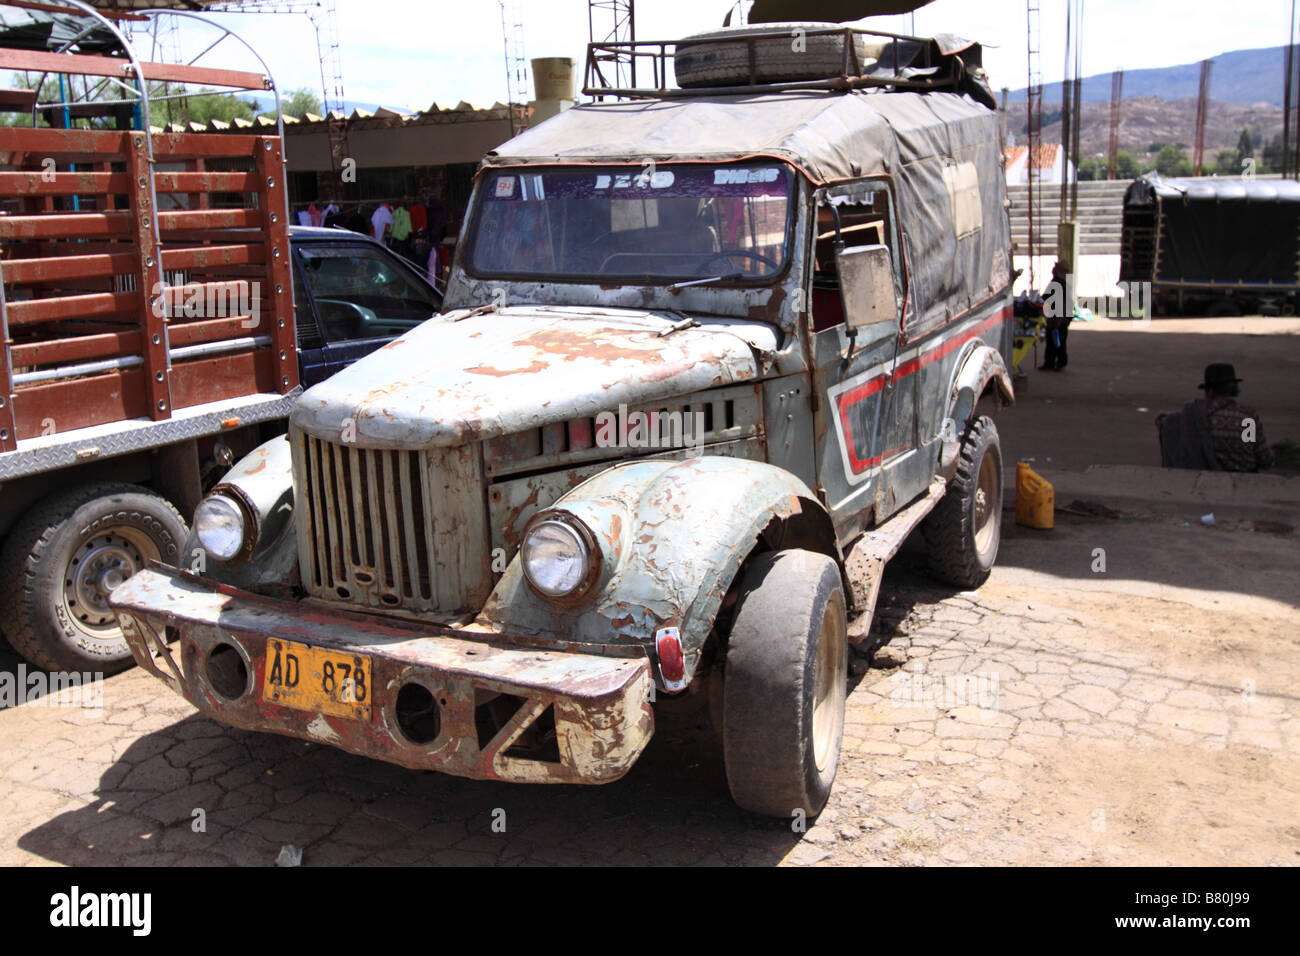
410, 53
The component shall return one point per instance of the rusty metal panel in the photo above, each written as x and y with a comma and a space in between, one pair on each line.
78, 349
524, 367
274, 205
25, 271
598, 698
89, 65
66, 226
63, 184
148, 278
34, 311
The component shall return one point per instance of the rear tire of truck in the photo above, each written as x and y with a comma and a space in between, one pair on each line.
60, 562
784, 684
782, 55
963, 531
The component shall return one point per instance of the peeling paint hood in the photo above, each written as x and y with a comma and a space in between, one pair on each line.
464, 376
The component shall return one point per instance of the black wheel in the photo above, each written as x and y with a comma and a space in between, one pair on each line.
62, 560
784, 684
963, 530
782, 54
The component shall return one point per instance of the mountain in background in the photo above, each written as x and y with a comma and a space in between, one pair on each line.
1241, 77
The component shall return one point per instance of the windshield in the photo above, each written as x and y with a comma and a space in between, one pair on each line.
665, 223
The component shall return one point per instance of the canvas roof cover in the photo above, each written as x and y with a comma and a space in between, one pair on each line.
829, 136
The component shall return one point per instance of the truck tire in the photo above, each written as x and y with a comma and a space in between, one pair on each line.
697, 62
784, 684
963, 531
60, 562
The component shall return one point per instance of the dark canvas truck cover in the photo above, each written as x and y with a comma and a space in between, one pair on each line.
1203, 231
942, 151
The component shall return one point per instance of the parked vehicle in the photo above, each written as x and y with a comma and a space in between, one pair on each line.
1219, 247
708, 357
352, 295
146, 300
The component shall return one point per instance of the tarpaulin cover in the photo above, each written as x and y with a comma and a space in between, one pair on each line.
1227, 230
938, 147
770, 11
35, 30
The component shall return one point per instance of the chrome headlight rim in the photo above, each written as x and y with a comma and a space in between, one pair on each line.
230, 496
586, 538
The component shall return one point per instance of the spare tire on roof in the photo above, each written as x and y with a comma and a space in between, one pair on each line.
783, 53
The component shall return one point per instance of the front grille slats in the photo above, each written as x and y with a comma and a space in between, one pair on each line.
363, 534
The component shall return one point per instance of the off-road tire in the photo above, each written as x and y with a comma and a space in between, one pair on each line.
697, 62
786, 653
44, 621
962, 548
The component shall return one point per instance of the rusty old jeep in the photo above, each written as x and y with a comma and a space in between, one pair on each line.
708, 356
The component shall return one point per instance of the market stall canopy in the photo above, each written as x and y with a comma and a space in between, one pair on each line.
836, 11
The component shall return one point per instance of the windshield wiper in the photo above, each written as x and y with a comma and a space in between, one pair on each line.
723, 278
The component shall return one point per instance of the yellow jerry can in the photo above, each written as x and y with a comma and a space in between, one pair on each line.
1035, 499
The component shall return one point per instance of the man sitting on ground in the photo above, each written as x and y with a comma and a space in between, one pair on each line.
1215, 433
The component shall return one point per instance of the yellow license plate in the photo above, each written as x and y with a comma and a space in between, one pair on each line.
315, 679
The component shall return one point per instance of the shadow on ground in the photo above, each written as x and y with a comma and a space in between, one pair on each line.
254, 793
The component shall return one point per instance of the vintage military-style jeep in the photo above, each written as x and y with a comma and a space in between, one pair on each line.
709, 356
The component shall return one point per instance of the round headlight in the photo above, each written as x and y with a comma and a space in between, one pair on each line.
220, 527
556, 559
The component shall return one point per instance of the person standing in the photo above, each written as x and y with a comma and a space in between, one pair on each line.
1058, 311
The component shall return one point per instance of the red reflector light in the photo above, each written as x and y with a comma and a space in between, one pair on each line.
672, 662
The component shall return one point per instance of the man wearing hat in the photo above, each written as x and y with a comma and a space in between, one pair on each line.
1215, 432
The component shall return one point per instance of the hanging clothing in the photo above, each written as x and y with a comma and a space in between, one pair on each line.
381, 220
401, 224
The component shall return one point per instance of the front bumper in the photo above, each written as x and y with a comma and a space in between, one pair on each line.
599, 704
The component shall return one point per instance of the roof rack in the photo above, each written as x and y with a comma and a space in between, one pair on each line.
895, 62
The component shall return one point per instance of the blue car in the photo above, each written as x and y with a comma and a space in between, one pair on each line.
352, 294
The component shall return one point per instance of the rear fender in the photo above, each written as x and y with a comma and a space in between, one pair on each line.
673, 535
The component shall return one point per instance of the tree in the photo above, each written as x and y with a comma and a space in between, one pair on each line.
1270, 157
1126, 165
297, 102
1225, 163
202, 107
1091, 168
1245, 147
1172, 161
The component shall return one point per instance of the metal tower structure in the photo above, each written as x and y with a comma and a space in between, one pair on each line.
512, 38
1034, 129
612, 22
1202, 104
1071, 110
1116, 108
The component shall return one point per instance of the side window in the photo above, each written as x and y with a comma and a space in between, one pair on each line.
309, 336
865, 218
362, 293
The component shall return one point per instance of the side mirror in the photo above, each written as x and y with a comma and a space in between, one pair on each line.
867, 284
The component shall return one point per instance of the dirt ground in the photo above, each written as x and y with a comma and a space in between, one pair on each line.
1143, 711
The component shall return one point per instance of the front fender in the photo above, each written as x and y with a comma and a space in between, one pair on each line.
674, 535
263, 481
980, 367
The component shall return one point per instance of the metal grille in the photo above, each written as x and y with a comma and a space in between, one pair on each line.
365, 534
